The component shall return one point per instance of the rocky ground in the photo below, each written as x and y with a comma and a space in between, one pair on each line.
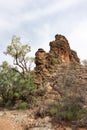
23, 120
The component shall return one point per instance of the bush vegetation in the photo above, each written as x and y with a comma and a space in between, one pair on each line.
17, 82
68, 109
23, 105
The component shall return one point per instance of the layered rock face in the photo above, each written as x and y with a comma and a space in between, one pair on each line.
41, 64
60, 52
60, 48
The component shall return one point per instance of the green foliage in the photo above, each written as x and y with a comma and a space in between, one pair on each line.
8, 104
54, 60
68, 109
8, 79
16, 95
82, 113
53, 108
73, 112
25, 88
16, 49
19, 53
34, 101
16, 82
69, 112
13, 87
23, 105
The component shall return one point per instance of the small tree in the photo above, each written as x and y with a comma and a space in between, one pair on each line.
13, 87
16, 82
8, 81
19, 53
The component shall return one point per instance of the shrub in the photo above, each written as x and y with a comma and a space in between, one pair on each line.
1, 101
34, 101
16, 95
82, 113
16, 84
69, 112
55, 60
53, 111
8, 104
68, 109
23, 105
53, 108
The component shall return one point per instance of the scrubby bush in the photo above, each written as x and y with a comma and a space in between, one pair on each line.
14, 87
68, 112
54, 60
26, 86
8, 79
53, 108
68, 109
23, 105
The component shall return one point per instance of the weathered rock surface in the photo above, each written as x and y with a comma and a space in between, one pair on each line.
10, 120
60, 48
60, 52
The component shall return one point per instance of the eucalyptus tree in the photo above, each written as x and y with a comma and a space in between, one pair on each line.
20, 54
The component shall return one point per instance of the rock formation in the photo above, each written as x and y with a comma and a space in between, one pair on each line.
60, 48
59, 53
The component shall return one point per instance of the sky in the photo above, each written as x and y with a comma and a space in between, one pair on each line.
37, 22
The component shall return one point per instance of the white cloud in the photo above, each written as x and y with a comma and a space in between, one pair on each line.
4, 24
9, 15
60, 6
13, 14
78, 39
50, 9
11, 4
43, 37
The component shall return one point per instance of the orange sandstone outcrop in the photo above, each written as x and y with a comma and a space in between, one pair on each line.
59, 52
